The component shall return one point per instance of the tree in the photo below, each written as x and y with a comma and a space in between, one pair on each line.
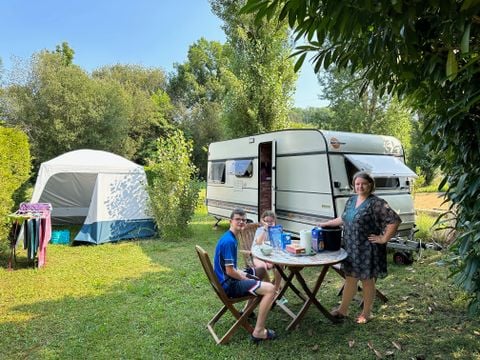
197, 89
172, 187
321, 117
424, 50
150, 112
260, 77
62, 109
358, 107
66, 52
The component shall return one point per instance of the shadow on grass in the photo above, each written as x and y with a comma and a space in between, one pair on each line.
162, 314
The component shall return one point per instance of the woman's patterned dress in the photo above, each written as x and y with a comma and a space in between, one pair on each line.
366, 260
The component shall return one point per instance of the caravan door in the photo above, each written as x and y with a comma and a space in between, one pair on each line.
266, 177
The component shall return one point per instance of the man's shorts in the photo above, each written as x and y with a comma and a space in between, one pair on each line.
238, 288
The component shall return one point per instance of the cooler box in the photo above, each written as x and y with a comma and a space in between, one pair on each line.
332, 238
61, 237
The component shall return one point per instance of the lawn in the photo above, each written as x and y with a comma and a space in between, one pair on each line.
150, 300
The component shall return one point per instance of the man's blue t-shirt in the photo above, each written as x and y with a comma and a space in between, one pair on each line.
225, 255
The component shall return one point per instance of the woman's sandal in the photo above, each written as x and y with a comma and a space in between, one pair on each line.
337, 315
271, 335
362, 319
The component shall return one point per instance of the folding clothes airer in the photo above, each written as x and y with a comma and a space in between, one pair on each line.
31, 224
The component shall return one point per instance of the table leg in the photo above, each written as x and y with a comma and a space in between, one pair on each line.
288, 283
311, 296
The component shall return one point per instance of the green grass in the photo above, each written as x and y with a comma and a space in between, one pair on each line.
150, 299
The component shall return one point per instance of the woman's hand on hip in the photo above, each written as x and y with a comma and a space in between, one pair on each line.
377, 239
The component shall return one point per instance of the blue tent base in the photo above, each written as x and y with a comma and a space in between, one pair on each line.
112, 231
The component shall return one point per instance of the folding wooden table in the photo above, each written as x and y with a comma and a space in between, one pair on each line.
295, 264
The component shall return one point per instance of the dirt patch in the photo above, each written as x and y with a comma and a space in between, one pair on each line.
429, 201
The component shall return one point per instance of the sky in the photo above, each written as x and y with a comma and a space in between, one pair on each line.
150, 33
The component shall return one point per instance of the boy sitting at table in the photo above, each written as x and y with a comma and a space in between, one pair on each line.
238, 283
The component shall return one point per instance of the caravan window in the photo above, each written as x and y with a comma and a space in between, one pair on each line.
381, 182
217, 172
243, 168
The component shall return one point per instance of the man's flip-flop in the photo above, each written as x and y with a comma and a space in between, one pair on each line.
271, 335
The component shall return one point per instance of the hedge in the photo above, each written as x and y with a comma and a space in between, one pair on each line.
14, 172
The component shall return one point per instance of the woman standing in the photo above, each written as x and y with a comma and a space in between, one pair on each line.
368, 224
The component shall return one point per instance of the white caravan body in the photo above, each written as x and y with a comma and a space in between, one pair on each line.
305, 176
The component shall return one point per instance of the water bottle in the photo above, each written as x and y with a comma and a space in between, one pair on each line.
321, 240
315, 232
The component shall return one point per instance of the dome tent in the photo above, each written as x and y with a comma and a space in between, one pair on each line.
102, 191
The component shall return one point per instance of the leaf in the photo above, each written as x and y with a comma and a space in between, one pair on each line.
397, 345
465, 44
252, 5
452, 66
378, 354
299, 62
315, 347
351, 343
467, 4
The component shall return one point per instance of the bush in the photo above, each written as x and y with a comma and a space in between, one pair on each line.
172, 186
14, 171
430, 230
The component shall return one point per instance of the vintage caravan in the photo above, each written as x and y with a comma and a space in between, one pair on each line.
305, 176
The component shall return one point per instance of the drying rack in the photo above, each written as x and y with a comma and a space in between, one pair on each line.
31, 223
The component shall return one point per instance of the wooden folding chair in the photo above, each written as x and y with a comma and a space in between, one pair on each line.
228, 303
245, 241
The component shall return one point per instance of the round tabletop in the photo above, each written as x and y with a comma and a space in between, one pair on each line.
281, 257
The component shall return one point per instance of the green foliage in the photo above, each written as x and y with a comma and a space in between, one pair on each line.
320, 118
426, 51
61, 107
259, 76
197, 89
421, 157
149, 110
357, 107
14, 171
66, 52
172, 186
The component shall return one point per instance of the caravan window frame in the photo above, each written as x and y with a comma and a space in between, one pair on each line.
218, 172
381, 182
243, 168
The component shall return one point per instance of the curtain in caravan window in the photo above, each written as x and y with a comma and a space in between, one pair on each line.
217, 172
243, 168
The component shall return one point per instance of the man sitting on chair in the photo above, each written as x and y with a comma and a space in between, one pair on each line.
238, 283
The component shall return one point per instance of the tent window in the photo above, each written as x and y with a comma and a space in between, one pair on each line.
217, 172
243, 168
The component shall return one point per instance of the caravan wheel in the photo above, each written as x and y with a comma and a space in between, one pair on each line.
402, 258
